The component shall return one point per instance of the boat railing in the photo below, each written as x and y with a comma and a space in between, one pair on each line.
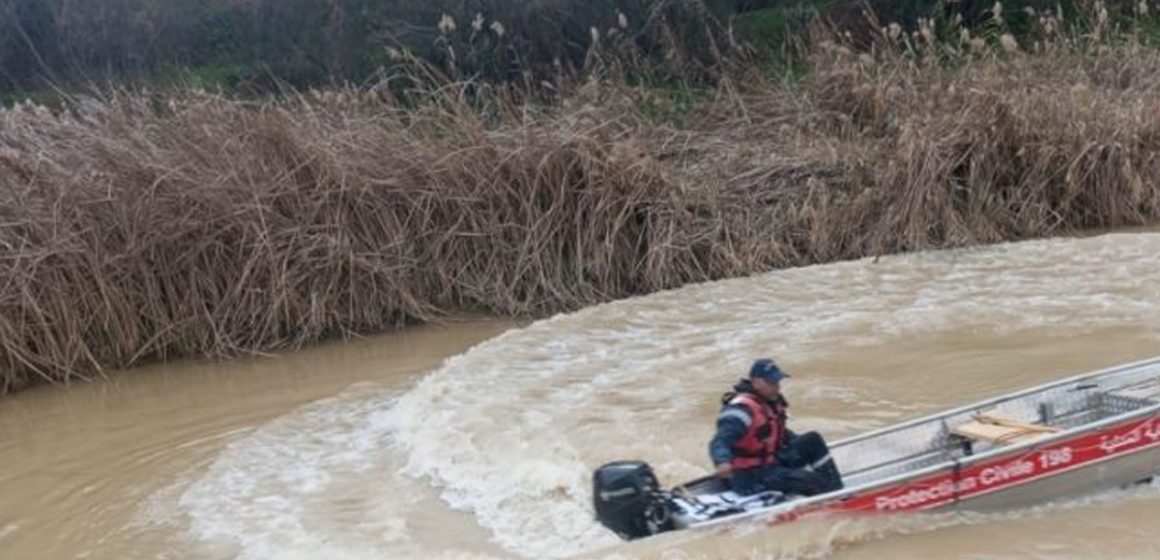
1117, 379
1028, 415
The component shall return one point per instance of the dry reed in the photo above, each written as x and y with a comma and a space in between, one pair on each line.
138, 228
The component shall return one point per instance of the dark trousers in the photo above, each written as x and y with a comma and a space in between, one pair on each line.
804, 468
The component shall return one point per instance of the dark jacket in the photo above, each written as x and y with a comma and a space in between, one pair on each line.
734, 420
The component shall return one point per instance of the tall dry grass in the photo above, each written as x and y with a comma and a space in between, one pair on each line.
896, 150
137, 227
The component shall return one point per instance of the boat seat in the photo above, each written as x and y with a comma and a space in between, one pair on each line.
1001, 430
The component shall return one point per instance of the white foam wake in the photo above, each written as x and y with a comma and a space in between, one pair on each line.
512, 429
313, 484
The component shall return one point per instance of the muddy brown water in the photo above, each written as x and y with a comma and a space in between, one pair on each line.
476, 439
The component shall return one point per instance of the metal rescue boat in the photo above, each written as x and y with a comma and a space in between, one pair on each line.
1082, 434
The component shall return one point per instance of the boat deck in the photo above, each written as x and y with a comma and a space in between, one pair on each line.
1018, 419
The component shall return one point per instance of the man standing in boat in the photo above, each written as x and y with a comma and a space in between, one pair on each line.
755, 452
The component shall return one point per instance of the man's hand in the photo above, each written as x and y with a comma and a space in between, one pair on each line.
724, 470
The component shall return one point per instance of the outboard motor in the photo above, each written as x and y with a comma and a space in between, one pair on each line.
629, 500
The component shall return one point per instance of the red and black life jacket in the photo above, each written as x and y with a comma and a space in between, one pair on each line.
758, 447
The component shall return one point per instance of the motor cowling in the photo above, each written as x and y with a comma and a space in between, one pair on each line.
628, 500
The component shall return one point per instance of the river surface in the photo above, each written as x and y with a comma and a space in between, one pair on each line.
476, 440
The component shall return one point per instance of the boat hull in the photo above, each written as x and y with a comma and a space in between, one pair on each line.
1112, 472
1088, 461
1115, 473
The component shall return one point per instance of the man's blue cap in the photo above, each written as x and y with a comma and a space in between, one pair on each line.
764, 368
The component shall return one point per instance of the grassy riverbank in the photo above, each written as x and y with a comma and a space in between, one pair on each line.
140, 227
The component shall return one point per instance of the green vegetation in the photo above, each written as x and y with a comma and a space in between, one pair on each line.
262, 46
258, 44
770, 29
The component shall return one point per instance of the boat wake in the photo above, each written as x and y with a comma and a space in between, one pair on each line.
508, 433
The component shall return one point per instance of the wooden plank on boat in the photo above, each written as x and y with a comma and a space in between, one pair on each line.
998, 429
1013, 423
